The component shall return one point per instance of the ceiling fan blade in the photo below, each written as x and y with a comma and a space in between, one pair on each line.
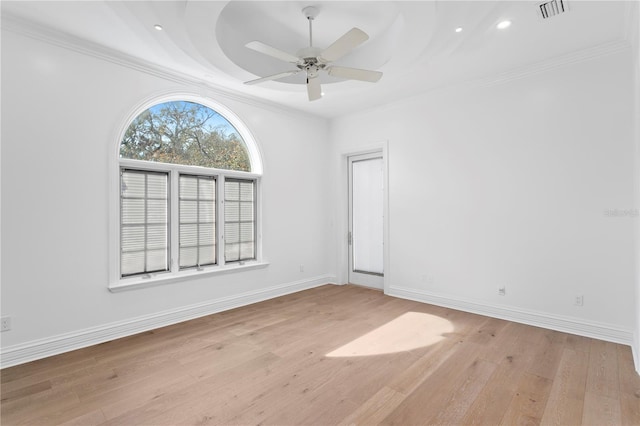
313, 88
355, 74
272, 51
273, 77
344, 44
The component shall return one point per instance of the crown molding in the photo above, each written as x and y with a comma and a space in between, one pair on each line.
43, 33
558, 62
579, 56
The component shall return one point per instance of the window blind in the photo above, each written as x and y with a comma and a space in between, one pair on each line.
239, 220
197, 206
144, 241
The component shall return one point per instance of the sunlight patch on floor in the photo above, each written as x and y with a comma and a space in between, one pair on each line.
411, 330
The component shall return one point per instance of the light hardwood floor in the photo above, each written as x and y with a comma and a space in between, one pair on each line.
268, 363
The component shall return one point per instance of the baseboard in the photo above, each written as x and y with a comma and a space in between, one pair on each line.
565, 324
42, 348
635, 349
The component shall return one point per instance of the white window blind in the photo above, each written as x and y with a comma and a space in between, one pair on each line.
239, 220
197, 201
144, 241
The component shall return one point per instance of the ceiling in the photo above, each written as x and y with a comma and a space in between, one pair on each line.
413, 43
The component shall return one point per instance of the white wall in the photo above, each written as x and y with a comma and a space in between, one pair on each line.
61, 113
507, 184
634, 37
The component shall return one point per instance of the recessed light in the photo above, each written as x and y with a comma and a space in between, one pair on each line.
321, 93
158, 27
459, 29
502, 25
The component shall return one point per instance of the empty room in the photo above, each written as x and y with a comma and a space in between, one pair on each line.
319, 213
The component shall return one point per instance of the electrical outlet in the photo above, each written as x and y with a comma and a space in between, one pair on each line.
5, 323
579, 300
502, 291
301, 268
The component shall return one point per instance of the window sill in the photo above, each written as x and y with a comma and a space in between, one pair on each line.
167, 278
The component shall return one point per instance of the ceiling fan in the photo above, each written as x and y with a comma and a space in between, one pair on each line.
313, 60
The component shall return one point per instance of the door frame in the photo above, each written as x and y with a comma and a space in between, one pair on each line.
381, 149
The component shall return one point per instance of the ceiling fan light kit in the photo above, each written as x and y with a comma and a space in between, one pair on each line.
313, 60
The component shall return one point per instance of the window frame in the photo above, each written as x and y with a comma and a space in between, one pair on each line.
146, 223
175, 273
198, 222
240, 221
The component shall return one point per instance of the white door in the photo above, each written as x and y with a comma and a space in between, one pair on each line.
366, 220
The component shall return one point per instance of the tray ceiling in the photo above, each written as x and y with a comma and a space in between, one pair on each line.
414, 43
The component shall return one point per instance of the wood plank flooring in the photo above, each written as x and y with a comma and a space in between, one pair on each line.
331, 355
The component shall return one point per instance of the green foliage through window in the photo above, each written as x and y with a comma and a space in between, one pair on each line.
187, 133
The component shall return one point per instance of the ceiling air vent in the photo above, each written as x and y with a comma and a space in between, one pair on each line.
552, 8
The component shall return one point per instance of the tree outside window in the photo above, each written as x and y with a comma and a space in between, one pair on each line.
188, 133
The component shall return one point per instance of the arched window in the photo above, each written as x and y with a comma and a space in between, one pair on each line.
189, 133
188, 193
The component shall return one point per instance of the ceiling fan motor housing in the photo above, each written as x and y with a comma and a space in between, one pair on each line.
312, 66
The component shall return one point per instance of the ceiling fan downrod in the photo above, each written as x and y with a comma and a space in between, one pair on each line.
310, 13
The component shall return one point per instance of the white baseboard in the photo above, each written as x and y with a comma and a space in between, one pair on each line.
42, 348
635, 349
565, 324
